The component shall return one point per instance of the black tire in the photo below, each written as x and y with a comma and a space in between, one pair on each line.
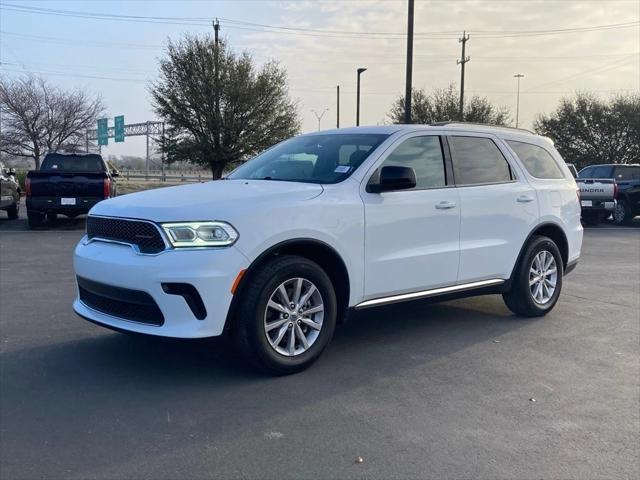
248, 328
52, 217
622, 214
13, 210
35, 219
592, 218
519, 299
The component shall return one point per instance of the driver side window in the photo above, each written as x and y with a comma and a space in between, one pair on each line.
424, 155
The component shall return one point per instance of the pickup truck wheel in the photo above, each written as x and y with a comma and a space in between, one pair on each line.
12, 211
592, 218
538, 279
287, 315
622, 213
35, 219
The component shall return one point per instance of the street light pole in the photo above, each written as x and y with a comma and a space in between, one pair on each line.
319, 117
337, 106
518, 76
360, 70
407, 89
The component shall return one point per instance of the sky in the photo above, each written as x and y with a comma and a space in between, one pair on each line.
321, 43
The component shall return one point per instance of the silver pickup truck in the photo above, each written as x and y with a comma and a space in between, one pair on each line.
597, 196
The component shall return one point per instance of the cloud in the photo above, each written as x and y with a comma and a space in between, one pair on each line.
316, 64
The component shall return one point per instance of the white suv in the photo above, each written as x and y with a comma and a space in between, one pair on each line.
279, 251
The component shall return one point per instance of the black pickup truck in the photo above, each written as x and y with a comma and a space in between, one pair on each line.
626, 187
67, 184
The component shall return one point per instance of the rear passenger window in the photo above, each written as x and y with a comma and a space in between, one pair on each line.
424, 155
478, 160
628, 173
536, 160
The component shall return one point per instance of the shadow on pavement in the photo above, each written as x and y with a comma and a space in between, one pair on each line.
124, 389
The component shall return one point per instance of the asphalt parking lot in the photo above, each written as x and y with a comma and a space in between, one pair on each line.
416, 390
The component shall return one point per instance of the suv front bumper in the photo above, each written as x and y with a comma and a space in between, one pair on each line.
118, 268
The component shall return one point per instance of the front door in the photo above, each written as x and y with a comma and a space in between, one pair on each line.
412, 236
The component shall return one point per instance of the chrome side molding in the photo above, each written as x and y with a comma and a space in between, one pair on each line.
428, 293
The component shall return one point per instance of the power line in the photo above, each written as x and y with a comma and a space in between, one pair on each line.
243, 25
601, 68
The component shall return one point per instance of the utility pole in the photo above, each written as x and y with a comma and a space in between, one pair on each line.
407, 90
360, 70
461, 62
337, 106
319, 117
216, 65
518, 76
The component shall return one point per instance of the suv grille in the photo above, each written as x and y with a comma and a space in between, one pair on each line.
133, 305
144, 235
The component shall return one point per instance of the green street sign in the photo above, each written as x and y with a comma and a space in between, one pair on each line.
103, 131
118, 131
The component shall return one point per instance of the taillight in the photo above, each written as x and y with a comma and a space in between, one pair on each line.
27, 185
615, 190
107, 188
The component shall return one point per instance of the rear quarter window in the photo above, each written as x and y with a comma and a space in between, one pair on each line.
537, 161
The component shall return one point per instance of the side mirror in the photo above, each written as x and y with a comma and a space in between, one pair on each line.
392, 178
115, 173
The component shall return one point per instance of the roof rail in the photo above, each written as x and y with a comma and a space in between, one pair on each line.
453, 122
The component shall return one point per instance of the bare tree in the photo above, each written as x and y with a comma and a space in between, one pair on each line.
38, 118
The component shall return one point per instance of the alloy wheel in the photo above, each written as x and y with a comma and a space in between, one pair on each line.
293, 316
543, 276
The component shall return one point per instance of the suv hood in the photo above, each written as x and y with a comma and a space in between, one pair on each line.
216, 200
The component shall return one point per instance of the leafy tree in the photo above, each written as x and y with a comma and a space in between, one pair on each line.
588, 130
443, 104
255, 109
38, 118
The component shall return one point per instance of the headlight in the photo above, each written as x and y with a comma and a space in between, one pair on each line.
200, 234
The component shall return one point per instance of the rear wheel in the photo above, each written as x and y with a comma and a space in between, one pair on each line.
537, 281
12, 211
593, 218
35, 219
622, 213
287, 315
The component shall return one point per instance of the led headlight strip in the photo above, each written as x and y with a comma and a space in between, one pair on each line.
200, 234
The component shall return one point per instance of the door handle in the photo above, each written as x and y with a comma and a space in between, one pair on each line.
524, 199
445, 205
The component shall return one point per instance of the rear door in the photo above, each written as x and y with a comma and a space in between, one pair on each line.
498, 207
412, 236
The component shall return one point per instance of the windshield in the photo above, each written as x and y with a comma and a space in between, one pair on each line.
73, 163
311, 158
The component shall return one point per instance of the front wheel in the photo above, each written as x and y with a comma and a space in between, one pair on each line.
537, 280
287, 315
